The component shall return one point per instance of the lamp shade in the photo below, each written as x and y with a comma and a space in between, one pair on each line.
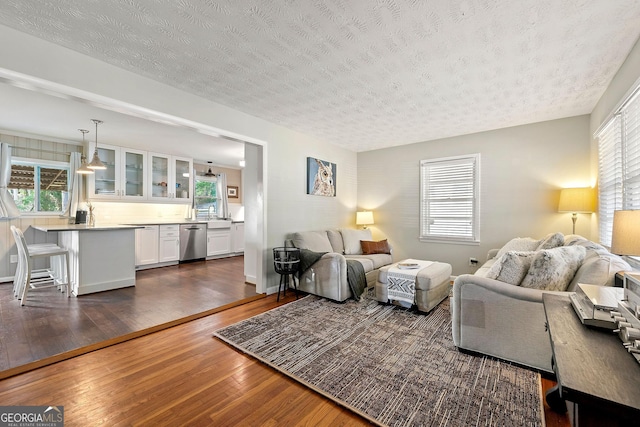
625, 239
577, 200
364, 218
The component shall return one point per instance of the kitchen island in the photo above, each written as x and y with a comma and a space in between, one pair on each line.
101, 258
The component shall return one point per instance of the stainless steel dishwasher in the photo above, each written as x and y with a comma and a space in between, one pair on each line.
193, 241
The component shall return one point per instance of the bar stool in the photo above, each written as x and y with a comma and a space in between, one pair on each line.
286, 262
27, 278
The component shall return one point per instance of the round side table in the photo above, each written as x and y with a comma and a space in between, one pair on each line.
286, 262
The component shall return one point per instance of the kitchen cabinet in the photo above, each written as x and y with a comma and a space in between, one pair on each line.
123, 179
170, 178
237, 237
169, 245
218, 241
147, 245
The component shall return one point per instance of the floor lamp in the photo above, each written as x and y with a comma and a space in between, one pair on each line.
577, 200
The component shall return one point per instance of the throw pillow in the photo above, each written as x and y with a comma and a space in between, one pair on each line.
552, 240
351, 239
511, 267
553, 269
316, 241
369, 248
520, 244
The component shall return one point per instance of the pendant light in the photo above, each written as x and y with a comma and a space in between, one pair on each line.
84, 167
96, 163
209, 173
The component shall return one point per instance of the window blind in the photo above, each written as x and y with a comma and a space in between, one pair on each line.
449, 199
610, 177
631, 154
619, 165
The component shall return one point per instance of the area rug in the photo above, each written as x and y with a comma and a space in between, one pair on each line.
391, 365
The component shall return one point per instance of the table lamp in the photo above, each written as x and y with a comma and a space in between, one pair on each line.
364, 218
625, 238
577, 200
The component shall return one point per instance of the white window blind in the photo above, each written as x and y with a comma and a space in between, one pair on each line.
610, 177
631, 154
449, 199
619, 165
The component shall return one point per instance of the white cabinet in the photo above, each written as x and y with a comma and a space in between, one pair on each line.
169, 246
147, 245
170, 178
218, 241
123, 179
237, 237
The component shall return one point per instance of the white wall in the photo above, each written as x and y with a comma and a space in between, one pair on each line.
287, 206
522, 170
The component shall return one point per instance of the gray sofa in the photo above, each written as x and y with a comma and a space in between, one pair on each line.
328, 276
507, 321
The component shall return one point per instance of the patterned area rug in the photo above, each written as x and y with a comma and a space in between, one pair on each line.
389, 364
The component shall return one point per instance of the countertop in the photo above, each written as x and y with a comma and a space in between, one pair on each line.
183, 221
165, 222
83, 227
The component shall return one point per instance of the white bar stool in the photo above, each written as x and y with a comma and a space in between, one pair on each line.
27, 278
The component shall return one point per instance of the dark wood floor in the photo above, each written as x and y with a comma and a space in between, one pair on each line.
51, 327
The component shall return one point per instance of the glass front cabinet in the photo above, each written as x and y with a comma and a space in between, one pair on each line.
170, 178
135, 175
124, 177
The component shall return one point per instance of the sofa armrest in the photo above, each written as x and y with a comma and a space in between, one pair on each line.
322, 277
492, 253
501, 320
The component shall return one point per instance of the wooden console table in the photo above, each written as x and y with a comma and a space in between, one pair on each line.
597, 377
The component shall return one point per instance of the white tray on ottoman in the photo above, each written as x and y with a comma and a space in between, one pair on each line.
432, 284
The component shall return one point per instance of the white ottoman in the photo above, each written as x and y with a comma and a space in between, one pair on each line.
433, 284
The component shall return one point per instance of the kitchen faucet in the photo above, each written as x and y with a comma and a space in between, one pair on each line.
211, 212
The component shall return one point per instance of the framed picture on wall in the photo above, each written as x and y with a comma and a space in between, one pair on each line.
321, 177
232, 192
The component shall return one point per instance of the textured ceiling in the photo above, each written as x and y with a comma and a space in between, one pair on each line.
363, 74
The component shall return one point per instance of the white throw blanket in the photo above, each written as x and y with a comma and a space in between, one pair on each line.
401, 282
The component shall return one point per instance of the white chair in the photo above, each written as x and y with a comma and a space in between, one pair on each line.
27, 277
19, 276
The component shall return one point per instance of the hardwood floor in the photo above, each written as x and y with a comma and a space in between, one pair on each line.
181, 376
51, 327
178, 376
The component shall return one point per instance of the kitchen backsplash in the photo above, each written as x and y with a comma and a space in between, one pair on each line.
122, 213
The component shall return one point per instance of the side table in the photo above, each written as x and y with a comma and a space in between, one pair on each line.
286, 262
596, 376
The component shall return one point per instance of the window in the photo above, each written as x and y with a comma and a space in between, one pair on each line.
205, 197
449, 205
619, 164
39, 186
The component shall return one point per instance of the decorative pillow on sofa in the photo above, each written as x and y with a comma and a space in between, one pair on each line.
511, 267
552, 240
520, 244
351, 239
369, 248
316, 241
553, 269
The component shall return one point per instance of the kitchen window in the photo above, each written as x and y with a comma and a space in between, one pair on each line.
449, 204
39, 186
205, 197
